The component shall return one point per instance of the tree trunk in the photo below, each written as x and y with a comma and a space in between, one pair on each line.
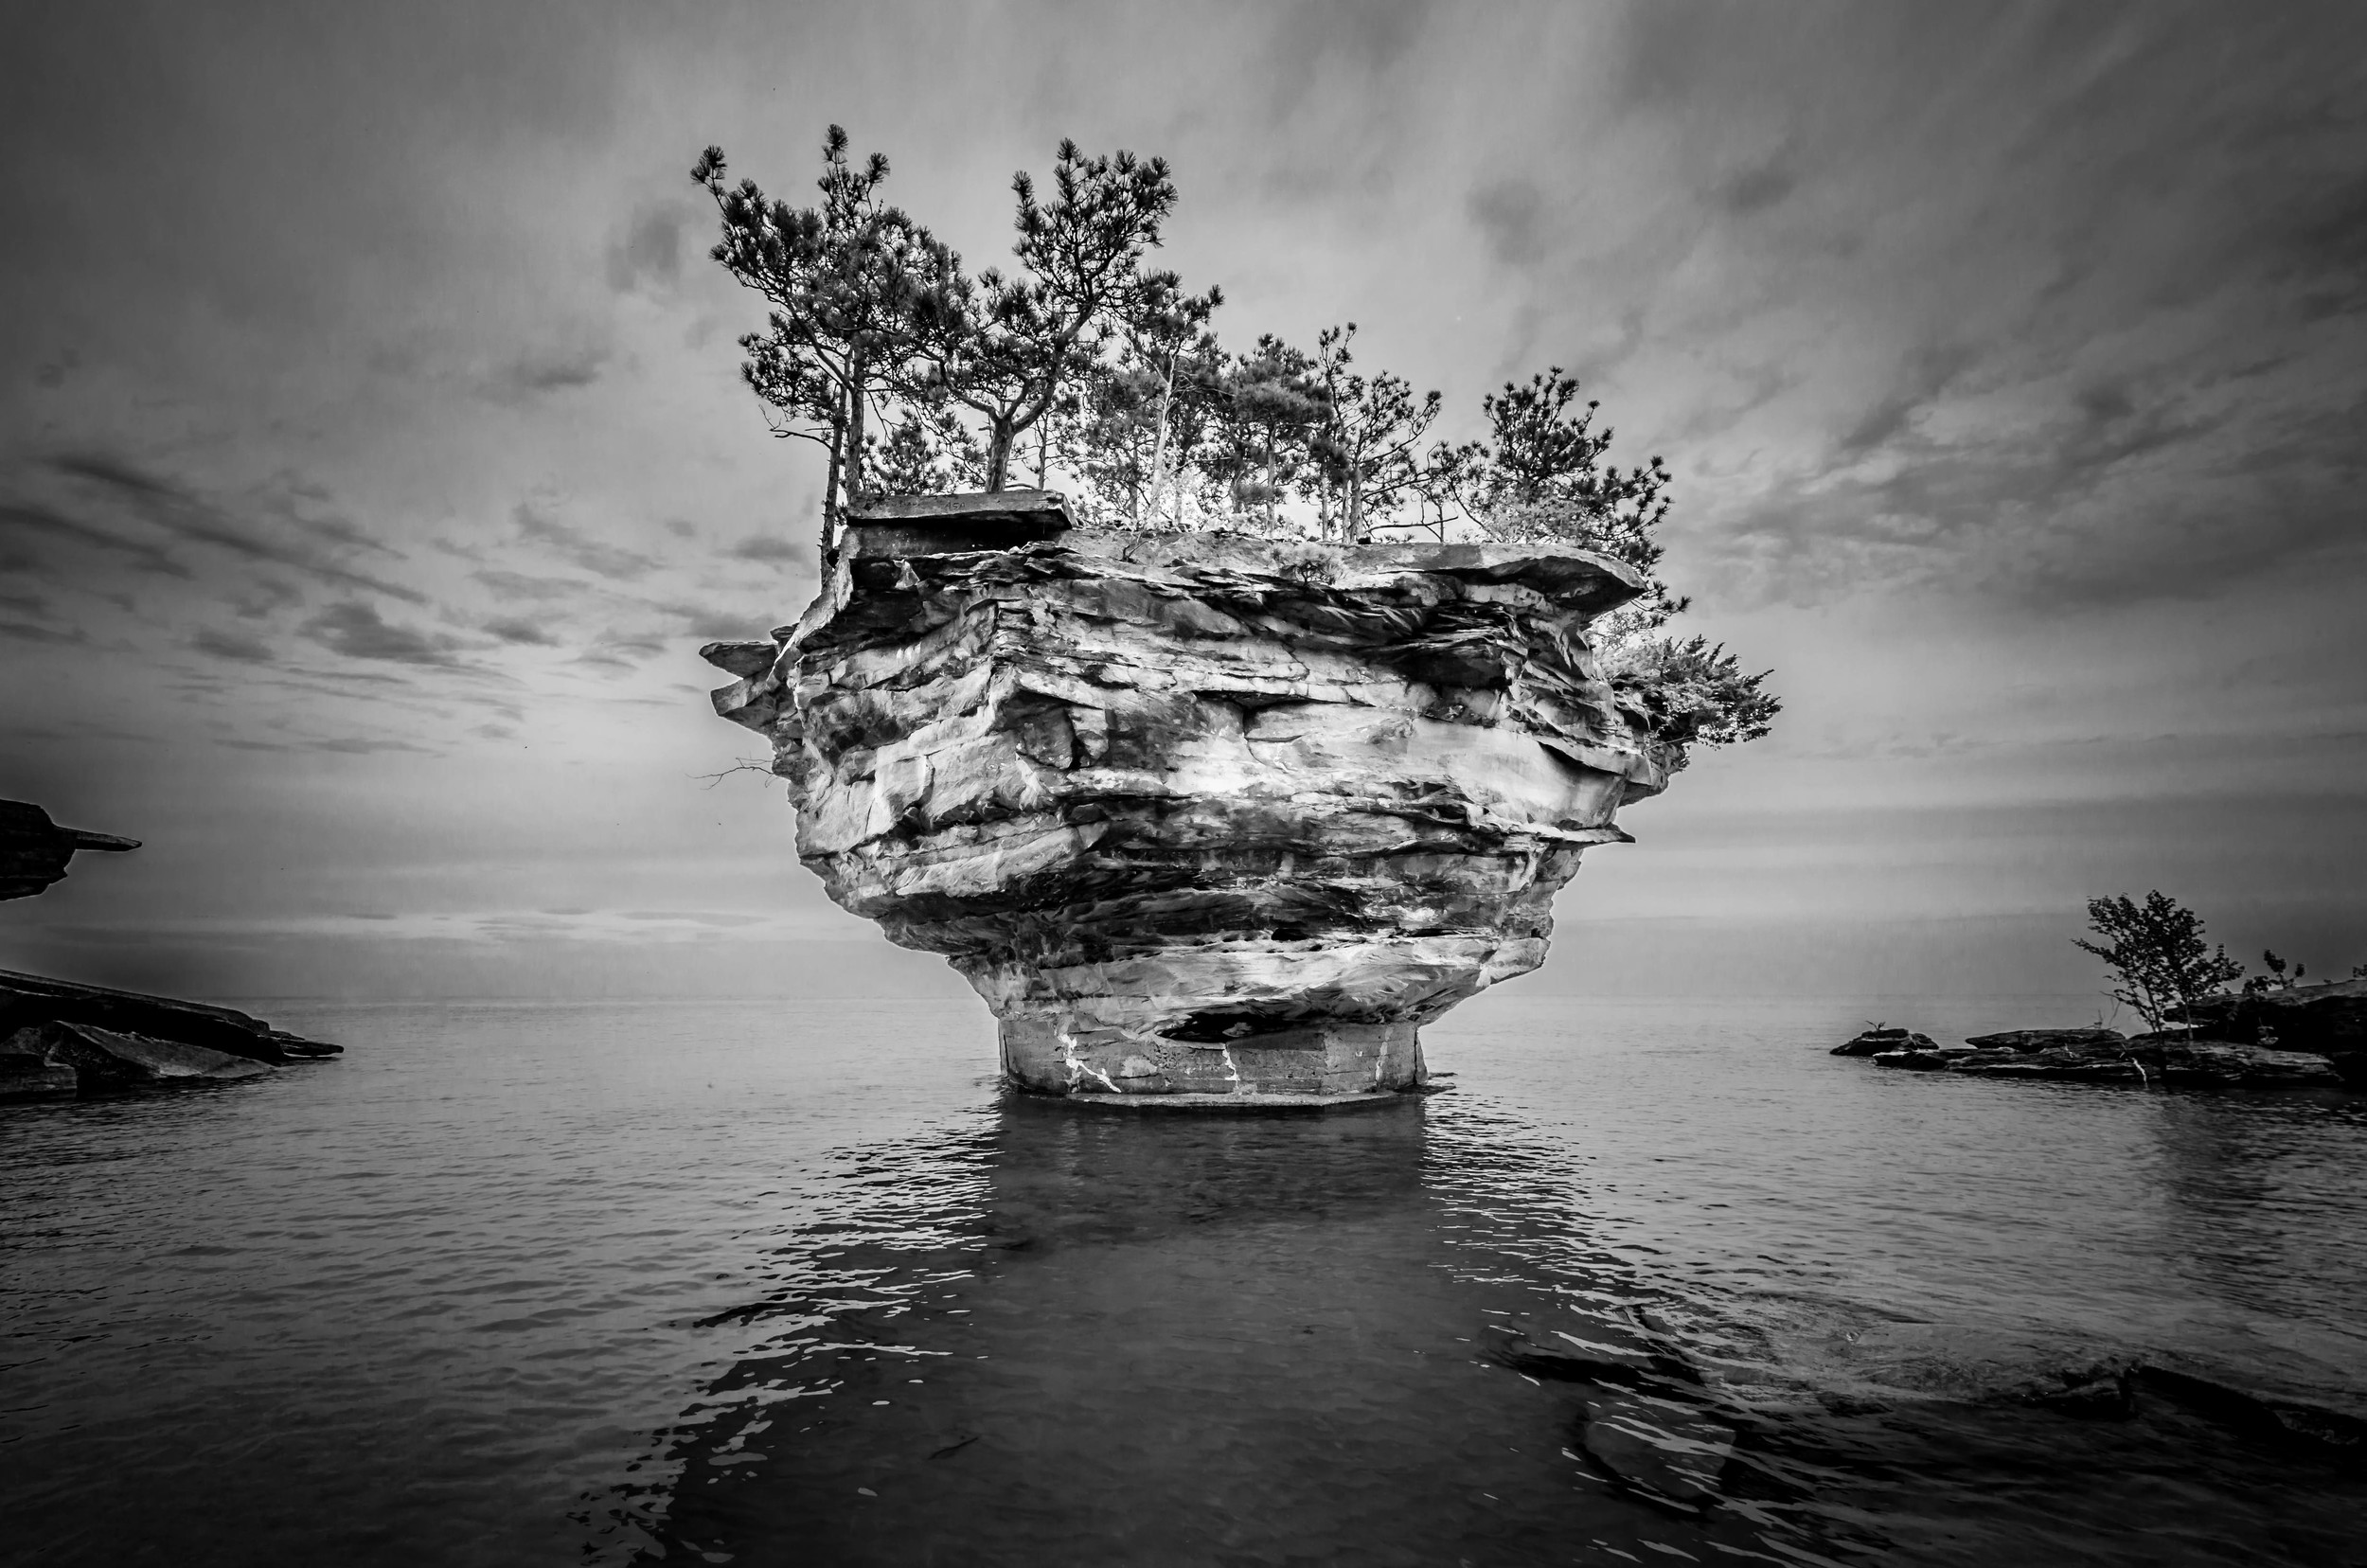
854, 443
1159, 451
999, 437
830, 493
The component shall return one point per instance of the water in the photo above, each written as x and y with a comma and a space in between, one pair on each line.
795, 1283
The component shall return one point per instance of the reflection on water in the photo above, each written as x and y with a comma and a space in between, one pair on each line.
798, 1285
1071, 1336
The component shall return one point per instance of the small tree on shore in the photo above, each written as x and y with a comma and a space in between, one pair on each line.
2160, 963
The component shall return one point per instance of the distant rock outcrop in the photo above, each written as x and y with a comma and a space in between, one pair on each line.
59, 1038
1198, 814
2153, 1058
34, 851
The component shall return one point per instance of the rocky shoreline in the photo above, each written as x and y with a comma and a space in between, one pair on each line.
2208, 1053
60, 1040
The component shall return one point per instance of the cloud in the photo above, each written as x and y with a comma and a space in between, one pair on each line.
518, 585
622, 650
1510, 213
231, 645
540, 372
185, 512
29, 632
517, 629
648, 255
1926, 373
578, 548
709, 622
795, 552
1757, 188
357, 631
355, 747
42, 519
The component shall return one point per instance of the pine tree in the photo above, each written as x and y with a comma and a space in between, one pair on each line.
1008, 348
1367, 449
838, 276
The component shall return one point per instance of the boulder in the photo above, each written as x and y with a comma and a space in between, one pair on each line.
2043, 1040
1882, 1037
2327, 1018
2220, 1063
100, 1059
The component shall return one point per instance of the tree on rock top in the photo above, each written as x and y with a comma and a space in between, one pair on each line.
839, 278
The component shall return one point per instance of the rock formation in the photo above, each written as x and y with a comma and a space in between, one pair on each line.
60, 1037
2330, 1018
1201, 814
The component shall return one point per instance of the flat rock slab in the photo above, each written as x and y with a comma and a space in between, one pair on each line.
26, 999
2043, 1040
103, 1058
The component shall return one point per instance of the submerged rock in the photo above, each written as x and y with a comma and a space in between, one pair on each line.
1665, 1446
1198, 813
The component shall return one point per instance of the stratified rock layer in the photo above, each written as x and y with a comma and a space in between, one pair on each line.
1201, 814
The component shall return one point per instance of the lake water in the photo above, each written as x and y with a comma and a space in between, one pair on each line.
793, 1282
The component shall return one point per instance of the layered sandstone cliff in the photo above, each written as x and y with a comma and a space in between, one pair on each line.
1196, 814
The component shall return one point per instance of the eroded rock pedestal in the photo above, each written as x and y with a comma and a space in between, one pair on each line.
1196, 814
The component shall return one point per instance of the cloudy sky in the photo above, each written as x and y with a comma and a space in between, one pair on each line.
372, 461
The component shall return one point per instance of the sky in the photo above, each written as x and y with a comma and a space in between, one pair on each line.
373, 459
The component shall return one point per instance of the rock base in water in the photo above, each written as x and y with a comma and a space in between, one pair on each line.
1323, 1059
